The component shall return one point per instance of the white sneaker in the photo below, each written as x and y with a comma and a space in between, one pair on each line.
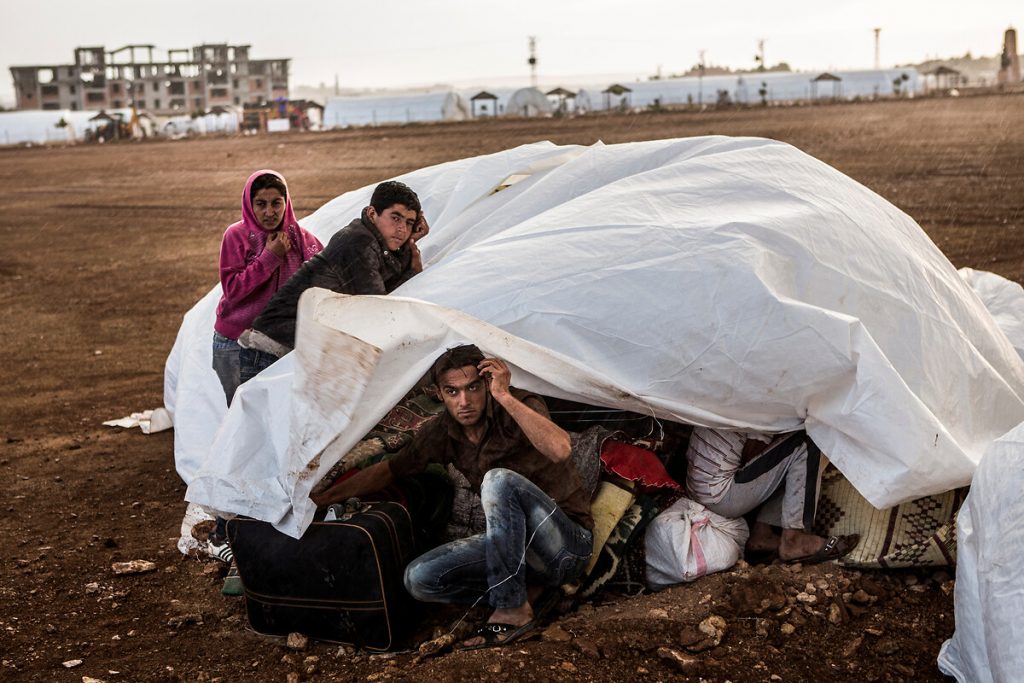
220, 552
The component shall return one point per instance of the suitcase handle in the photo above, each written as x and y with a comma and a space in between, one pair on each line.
342, 512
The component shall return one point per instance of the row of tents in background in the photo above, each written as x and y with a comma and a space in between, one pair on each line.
765, 88
691, 91
67, 126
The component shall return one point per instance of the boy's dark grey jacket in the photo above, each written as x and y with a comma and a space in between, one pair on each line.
355, 261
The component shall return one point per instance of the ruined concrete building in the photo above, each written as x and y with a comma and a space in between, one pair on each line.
188, 81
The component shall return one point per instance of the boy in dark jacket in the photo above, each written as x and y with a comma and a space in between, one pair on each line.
373, 254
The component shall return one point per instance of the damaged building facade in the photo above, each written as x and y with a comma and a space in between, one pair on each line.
189, 80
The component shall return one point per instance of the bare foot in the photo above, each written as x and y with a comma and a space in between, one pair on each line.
513, 616
762, 539
799, 543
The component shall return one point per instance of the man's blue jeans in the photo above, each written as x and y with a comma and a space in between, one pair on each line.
252, 362
225, 363
528, 538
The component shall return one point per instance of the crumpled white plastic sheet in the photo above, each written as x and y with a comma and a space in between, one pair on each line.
989, 597
149, 421
725, 282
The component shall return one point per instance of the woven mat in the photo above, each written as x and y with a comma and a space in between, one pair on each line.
920, 533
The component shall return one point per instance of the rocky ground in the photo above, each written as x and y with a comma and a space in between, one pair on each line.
105, 247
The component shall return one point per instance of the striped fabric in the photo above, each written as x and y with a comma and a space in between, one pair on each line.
713, 457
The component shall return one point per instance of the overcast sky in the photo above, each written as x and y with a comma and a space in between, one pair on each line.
394, 43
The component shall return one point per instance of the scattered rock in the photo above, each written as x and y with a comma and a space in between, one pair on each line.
494, 669
556, 634
775, 677
787, 629
72, 663
92, 587
852, 647
133, 567
807, 598
215, 569
683, 661
947, 587
292, 677
658, 613
433, 646
690, 635
835, 614
345, 651
587, 647
90, 679
860, 597
184, 619
568, 667
297, 641
707, 635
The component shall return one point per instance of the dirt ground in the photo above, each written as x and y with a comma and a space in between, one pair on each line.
105, 247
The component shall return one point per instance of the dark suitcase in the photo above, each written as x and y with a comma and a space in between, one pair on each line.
341, 582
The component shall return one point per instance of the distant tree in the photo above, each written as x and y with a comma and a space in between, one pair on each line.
763, 92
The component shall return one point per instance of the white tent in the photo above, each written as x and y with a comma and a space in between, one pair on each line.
342, 112
40, 126
726, 282
779, 86
528, 102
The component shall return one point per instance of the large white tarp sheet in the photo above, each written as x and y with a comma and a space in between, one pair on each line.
989, 597
729, 282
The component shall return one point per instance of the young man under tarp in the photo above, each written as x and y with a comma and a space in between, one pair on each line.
538, 523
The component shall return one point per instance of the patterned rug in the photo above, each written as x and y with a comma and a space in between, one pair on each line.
920, 533
388, 436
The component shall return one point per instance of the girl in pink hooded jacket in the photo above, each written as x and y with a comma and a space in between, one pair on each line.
257, 255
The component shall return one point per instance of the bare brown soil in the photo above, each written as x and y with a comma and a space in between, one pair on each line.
105, 247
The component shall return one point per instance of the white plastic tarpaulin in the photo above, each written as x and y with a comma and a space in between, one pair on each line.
729, 282
989, 598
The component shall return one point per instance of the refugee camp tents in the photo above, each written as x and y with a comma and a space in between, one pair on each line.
341, 112
528, 102
40, 126
779, 86
728, 282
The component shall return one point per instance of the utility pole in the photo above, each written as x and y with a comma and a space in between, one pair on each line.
878, 61
532, 61
759, 57
700, 79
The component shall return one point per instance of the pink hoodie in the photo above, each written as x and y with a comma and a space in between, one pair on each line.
250, 274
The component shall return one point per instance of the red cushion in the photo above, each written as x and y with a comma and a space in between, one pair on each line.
636, 464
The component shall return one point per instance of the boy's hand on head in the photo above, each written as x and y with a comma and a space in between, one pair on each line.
421, 229
497, 375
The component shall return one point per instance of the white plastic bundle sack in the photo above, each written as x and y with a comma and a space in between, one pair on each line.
687, 541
